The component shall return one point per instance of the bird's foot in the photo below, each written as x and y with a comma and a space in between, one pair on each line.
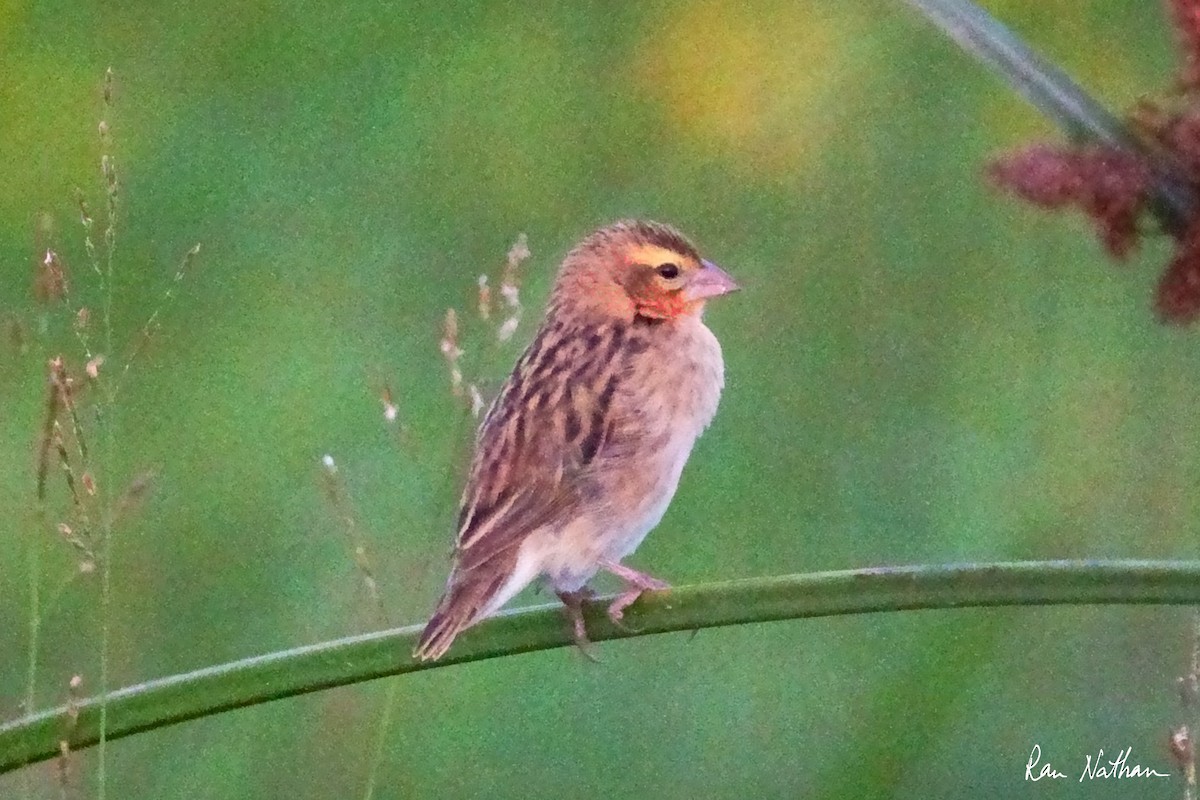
636, 583
573, 603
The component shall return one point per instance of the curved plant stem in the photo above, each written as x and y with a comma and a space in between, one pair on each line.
1058, 97
288, 673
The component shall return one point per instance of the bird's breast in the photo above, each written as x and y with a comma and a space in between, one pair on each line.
677, 382
673, 394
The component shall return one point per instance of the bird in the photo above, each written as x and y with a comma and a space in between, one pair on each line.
581, 451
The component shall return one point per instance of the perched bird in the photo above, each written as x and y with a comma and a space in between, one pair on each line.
581, 451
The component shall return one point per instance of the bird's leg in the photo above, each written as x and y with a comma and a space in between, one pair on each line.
635, 583
573, 603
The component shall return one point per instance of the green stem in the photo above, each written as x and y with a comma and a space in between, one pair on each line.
1058, 97
109, 421
35, 619
381, 732
289, 673
103, 724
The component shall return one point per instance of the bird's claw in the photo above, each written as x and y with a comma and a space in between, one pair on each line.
616, 611
636, 584
573, 603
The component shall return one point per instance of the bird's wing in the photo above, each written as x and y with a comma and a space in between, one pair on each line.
542, 433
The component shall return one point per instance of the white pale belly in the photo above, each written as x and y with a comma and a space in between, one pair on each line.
626, 538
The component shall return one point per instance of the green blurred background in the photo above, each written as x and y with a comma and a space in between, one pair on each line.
919, 370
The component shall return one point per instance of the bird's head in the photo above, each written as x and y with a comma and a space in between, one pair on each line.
636, 268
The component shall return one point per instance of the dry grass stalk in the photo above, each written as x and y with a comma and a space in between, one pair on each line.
339, 501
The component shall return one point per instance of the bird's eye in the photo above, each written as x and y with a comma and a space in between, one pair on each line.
668, 271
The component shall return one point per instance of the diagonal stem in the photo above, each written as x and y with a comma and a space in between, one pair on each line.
289, 673
1058, 97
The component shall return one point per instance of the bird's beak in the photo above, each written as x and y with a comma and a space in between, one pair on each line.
709, 281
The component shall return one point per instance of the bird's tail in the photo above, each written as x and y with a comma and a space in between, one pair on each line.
468, 598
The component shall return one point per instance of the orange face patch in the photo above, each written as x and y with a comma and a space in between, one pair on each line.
655, 296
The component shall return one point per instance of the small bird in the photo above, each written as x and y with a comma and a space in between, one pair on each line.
581, 451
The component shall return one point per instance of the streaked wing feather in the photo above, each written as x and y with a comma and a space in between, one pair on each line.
543, 429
